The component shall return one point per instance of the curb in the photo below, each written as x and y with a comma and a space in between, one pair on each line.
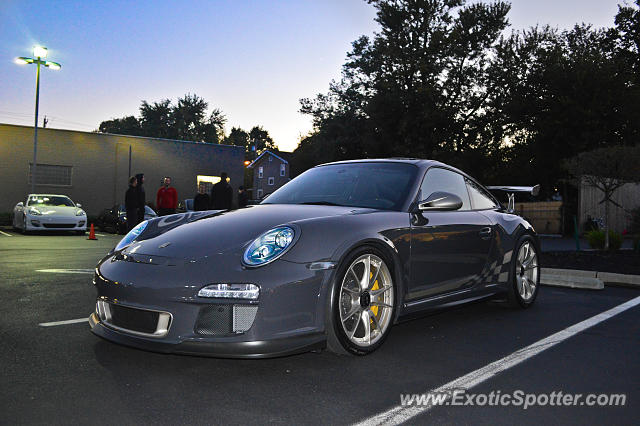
591, 280
571, 279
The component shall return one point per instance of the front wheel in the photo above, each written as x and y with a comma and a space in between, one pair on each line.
362, 305
525, 273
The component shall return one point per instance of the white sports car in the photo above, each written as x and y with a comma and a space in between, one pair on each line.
49, 212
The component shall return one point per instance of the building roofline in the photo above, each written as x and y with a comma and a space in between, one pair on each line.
263, 153
124, 136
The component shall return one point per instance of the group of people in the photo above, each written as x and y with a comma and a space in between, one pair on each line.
167, 198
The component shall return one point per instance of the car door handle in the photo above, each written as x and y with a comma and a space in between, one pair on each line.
485, 233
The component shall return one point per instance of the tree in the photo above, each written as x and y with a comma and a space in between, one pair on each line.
238, 137
128, 125
213, 129
157, 119
607, 169
418, 87
186, 120
260, 138
188, 117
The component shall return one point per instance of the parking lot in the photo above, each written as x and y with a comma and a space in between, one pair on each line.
54, 370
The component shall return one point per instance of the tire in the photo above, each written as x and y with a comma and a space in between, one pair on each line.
359, 318
524, 279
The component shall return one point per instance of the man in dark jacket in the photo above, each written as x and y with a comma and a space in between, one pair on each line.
222, 194
201, 200
131, 203
141, 196
243, 199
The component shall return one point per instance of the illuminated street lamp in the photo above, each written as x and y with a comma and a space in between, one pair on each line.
40, 54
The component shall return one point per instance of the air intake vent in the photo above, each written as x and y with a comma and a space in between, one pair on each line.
225, 319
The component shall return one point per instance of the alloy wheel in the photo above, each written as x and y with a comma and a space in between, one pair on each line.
366, 300
527, 271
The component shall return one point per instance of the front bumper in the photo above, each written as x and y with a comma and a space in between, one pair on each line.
289, 317
242, 349
55, 223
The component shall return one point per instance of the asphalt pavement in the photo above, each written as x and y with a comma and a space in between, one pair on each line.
63, 374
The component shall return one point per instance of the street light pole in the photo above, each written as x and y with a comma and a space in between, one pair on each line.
40, 54
35, 133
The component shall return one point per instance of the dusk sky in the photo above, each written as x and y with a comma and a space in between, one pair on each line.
252, 59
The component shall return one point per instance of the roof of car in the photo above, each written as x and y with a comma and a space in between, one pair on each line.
417, 161
420, 162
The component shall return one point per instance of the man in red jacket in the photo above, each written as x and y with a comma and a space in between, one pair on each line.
166, 198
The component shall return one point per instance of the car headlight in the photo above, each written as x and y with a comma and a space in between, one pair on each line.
80, 212
132, 235
269, 246
34, 211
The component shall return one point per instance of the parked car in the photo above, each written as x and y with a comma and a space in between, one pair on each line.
185, 206
331, 259
115, 219
49, 212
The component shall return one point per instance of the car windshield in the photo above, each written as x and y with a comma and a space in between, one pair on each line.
370, 185
50, 200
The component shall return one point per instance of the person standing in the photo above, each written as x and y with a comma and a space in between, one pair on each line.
141, 197
243, 199
201, 201
131, 203
222, 194
166, 198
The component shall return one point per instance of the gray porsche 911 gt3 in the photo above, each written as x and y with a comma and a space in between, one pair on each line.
332, 259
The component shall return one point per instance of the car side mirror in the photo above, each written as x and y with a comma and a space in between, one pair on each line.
20, 204
78, 205
442, 201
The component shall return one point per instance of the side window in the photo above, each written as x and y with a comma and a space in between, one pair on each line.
438, 179
480, 200
260, 172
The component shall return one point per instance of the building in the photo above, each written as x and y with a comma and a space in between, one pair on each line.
270, 172
93, 168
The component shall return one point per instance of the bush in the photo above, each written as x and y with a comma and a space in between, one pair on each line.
596, 240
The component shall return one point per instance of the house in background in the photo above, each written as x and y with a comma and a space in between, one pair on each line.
270, 172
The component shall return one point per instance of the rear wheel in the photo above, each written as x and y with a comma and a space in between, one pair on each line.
525, 273
363, 304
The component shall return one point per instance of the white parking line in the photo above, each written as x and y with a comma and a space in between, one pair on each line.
67, 271
400, 414
73, 321
6, 234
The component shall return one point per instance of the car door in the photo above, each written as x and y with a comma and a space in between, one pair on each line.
449, 249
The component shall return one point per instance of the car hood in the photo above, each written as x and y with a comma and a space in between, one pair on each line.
227, 232
56, 210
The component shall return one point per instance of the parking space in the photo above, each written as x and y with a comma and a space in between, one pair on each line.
54, 368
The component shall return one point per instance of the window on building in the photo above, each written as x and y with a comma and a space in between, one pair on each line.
51, 174
270, 158
272, 180
283, 169
207, 181
260, 172
259, 194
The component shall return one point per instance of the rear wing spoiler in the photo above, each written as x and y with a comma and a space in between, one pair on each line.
511, 190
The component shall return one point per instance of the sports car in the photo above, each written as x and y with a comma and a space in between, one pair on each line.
49, 212
330, 260
115, 219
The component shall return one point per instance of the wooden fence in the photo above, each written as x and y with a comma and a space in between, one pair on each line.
628, 197
545, 216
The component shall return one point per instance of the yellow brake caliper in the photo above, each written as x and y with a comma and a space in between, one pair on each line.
374, 309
